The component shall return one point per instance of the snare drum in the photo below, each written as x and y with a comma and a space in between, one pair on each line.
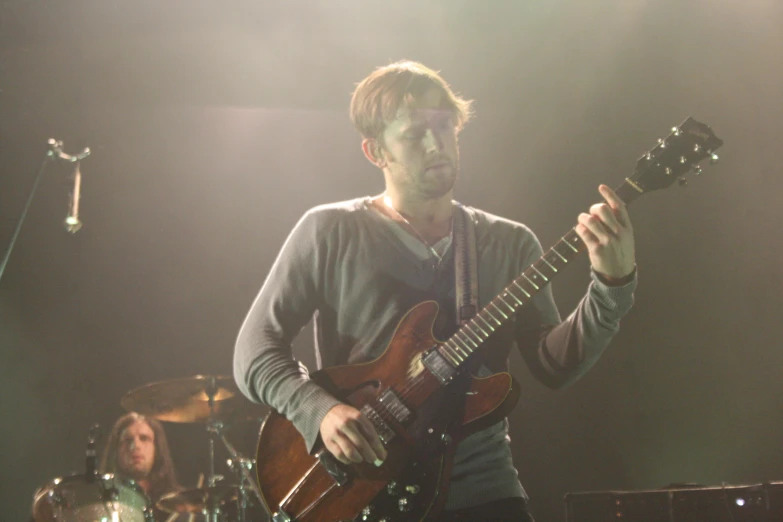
104, 498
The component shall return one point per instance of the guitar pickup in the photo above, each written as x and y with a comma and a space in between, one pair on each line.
385, 433
395, 406
438, 366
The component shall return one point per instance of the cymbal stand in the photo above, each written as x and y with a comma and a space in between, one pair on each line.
213, 511
241, 465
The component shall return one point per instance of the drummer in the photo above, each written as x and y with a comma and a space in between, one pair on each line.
138, 449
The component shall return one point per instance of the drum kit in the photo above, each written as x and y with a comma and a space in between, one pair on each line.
213, 401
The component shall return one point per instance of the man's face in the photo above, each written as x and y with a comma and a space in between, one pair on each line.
420, 148
136, 452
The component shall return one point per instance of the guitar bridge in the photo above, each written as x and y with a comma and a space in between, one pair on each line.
385, 433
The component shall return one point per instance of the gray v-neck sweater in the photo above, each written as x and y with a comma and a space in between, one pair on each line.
346, 267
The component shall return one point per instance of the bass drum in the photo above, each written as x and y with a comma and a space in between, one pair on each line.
103, 498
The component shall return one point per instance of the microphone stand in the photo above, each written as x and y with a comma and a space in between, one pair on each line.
72, 222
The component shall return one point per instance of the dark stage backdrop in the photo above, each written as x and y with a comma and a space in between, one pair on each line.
215, 125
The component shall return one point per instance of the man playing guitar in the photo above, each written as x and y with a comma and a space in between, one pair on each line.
357, 267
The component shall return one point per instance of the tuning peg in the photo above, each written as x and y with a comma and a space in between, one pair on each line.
713, 158
697, 170
662, 143
682, 181
675, 131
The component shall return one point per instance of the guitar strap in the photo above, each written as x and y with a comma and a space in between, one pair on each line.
465, 264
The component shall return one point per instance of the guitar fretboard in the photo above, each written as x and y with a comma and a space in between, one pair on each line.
500, 310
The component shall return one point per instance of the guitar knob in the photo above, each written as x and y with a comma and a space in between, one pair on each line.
367, 513
404, 505
393, 489
412, 489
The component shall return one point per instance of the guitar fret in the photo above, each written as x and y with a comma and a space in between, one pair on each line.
539, 273
521, 288
559, 255
463, 351
509, 292
492, 316
499, 310
549, 264
530, 281
473, 322
492, 328
471, 341
447, 355
505, 303
477, 336
461, 344
457, 357
572, 247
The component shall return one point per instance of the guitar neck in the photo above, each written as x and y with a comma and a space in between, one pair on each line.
500, 310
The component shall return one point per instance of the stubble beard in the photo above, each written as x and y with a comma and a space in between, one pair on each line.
136, 473
426, 185
442, 185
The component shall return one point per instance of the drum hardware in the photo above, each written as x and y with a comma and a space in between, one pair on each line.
78, 498
198, 500
91, 455
196, 399
241, 466
215, 401
212, 400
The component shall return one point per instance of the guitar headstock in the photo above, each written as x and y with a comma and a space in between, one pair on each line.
681, 151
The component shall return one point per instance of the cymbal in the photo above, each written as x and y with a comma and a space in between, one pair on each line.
187, 400
196, 500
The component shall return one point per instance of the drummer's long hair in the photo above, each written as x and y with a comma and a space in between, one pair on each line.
162, 477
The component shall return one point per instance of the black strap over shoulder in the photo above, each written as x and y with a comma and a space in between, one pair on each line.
465, 264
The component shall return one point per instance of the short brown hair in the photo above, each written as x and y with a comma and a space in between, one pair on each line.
379, 96
163, 478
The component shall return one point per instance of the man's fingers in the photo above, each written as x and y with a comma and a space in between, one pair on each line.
617, 204
372, 437
337, 451
349, 449
597, 230
586, 235
608, 218
353, 431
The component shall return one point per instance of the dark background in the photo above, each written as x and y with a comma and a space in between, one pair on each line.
215, 125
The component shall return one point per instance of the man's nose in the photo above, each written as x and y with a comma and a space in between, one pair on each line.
432, 142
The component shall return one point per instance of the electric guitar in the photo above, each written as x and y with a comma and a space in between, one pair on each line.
420, 394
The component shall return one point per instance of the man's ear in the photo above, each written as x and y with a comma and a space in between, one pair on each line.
373, 153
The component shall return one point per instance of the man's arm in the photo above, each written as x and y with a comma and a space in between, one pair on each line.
559, 352
264, 367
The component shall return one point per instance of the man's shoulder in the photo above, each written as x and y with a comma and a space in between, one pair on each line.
339, 208
494, 224
339, 213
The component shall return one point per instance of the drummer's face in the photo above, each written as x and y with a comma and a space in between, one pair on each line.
137, 450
